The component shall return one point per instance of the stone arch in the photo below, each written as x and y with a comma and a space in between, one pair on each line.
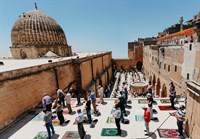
164, 91
150, 79
139, 65
23, 54
154, 80
158, 86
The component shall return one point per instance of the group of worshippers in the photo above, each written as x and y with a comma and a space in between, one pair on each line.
118, 113
59, 104
179, 114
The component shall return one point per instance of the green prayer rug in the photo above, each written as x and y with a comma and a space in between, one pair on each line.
110, 120
71, 135
142, 101
41, 135
109, 132
139, 118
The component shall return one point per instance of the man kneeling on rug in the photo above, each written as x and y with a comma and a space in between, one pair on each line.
117, 115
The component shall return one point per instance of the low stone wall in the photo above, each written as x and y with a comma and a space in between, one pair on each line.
124, 63
23, 89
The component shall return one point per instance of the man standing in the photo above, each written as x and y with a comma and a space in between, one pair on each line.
172, 96
59, 112
79, 120
117, 115
146, 119
61, 96
180, 116
47, 102
68, 102
150, 104
88, 110
93, 99
120, 104
100, 92
74, 91
48, 122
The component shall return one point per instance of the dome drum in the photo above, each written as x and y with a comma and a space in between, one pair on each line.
37, 52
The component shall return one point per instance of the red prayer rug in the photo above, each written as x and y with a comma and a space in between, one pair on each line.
168, 133
165, 101
165, 108
65, 111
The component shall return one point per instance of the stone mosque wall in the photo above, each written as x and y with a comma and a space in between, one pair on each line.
23, 89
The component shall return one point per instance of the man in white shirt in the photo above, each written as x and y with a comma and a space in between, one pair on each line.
100, 92
61, 96
79, 120
117, 115
180, 116
68, 102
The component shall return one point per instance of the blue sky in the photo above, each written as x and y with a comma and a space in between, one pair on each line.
100, 25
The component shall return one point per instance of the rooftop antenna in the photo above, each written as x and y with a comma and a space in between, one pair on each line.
36, 6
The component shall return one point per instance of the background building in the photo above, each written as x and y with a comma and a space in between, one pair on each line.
175, 58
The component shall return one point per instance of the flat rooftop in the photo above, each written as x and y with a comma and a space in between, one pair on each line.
133, 130
14, 64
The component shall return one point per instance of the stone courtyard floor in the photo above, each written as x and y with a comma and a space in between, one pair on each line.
133, 130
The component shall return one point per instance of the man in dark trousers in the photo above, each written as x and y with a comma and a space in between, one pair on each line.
120, 104
150, 104
79, 120
180, 116
59, 112
47, 102
172, 96
61, 96
117, 115
74, 91
48, 122
88, 110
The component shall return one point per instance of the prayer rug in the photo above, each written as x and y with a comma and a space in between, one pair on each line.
110, 120
39, 117
41, 135
109, 132
85, 121
99, 102
168, 133
56, 122
71, 135
142, 101
65, 111
139, 118
165, 108
165, 101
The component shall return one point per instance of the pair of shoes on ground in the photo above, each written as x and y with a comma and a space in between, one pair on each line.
146, 134
92, 126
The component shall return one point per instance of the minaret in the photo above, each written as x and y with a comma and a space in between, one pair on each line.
181, 23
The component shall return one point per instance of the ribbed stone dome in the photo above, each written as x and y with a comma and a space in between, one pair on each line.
35, 28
